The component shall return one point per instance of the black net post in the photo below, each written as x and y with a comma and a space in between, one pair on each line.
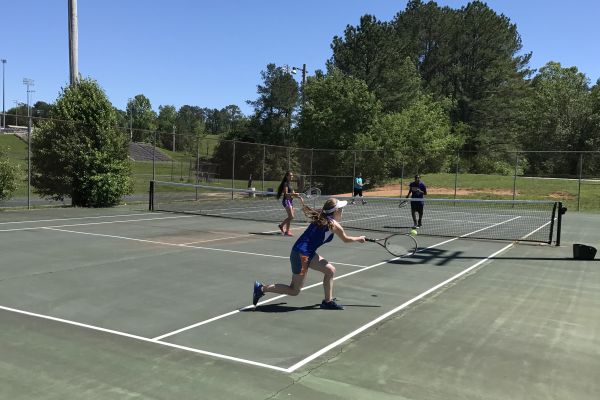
151, 197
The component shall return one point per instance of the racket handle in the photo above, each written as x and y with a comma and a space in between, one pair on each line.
370, 240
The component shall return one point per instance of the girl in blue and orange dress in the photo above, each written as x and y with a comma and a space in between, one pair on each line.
324, 224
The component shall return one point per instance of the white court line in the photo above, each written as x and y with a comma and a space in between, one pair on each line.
305, 360
182, 245
73, 218
316, 284
390, 313
143, 339
95, 223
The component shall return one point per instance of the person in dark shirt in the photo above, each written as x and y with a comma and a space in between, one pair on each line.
417, 190
286, 194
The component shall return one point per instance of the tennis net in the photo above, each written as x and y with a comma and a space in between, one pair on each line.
513, 220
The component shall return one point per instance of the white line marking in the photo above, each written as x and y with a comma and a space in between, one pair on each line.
389, 313
305, 360
73, 218
143, 339
95, 223
183, 245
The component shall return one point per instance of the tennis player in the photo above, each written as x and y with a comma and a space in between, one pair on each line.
324, 224
285, 190
358, 189
417, 190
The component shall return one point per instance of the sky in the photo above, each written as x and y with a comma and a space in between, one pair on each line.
210, 53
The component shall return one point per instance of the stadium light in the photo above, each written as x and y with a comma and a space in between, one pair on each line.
294, 71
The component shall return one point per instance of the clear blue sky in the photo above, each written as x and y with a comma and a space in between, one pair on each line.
210, 53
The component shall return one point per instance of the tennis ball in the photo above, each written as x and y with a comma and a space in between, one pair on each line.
413, 232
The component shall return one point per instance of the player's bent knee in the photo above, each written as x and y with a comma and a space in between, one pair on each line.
330, 270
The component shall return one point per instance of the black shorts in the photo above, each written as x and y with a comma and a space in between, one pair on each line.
358, 192
417, 206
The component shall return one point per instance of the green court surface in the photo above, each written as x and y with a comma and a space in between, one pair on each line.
127, 304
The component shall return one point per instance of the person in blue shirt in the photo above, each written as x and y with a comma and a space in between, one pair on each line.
417, 190
324, 224
358, 188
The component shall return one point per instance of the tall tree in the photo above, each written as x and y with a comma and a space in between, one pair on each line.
370, 52
190, 127
79, 153
142, 118
167, 118
560, 111
273, 110
339, 110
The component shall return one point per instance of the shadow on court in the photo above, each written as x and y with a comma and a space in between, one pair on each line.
284, 308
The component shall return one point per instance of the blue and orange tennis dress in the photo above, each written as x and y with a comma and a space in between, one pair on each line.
306, 246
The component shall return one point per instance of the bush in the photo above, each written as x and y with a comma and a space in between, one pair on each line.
79, 153
9, 177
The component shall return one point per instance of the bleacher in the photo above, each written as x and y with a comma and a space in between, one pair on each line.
18, 131
143, 152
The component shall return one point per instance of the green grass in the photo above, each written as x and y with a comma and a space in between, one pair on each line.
477, 186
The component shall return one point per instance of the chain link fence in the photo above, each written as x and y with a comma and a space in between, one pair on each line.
571, 177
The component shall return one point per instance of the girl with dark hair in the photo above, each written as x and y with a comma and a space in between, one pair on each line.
286, 192
324, 224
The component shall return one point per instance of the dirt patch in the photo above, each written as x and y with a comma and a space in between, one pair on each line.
394, 191
562, 196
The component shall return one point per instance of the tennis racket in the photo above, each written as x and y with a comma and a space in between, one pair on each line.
402, 203
312, 193
399, 245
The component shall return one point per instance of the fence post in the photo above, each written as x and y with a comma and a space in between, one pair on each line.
233, 169
264, 160
515, 175
402, 178
197, 158
29, 154
353, 175
579, 186
312, 151
153, 156
456, 173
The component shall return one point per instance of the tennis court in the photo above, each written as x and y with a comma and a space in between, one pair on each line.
126, 303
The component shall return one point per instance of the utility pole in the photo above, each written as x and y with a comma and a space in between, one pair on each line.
28, 82
73, 44
3, 110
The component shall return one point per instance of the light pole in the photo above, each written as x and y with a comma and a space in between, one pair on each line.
295, 71
17, 104
130, 109
3, 110
28, 82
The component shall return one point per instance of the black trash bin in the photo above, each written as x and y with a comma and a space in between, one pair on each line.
583, 252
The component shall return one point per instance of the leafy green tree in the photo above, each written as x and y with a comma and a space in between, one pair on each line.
339, 110
9, 177
166, 121
560, 111
142, 118
370, 52
420, 137
190, 127
273, 110
79, 153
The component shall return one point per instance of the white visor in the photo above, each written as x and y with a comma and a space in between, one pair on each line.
338, 205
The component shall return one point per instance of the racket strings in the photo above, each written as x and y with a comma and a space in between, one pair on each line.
401, 245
